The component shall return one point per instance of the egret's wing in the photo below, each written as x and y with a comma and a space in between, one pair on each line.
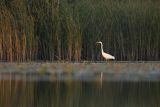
108, 56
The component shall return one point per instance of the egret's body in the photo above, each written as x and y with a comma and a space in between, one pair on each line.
105, 55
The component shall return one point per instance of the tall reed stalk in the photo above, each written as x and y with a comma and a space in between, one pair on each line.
68, 29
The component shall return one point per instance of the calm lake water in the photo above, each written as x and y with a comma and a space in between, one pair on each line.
19, 89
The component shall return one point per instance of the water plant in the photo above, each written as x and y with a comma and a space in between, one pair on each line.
68, 29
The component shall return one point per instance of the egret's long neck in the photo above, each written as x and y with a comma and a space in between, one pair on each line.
102, 47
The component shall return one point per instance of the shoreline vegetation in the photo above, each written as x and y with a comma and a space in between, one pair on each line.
67, 30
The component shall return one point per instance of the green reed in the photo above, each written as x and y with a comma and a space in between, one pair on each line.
68, 29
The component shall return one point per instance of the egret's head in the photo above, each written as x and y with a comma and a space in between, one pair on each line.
99, 42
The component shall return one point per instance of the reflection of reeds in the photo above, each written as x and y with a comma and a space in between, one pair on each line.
77, 93
16, 93
68, 30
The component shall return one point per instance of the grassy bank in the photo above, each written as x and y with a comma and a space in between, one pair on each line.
68, 29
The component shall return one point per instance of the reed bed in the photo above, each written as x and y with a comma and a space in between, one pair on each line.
68, 29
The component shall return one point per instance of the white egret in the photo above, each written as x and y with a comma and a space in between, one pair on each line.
105, 55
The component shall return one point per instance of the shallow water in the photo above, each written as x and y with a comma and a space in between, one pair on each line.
126, 71
79, 85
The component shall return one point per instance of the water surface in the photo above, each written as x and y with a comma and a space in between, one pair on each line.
79, 85
79, 94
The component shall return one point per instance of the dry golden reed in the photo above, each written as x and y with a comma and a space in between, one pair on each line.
68, 30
